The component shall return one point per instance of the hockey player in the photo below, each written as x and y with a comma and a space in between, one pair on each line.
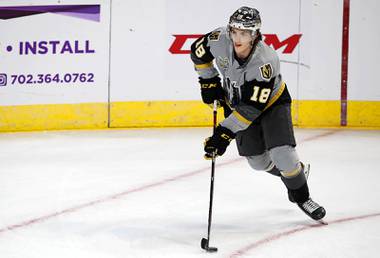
256, 103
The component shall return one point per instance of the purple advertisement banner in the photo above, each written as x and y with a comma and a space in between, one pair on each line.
88, 12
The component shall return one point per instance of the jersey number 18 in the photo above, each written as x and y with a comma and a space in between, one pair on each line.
260, 95
199, 48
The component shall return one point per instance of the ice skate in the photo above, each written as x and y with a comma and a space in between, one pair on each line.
312, 209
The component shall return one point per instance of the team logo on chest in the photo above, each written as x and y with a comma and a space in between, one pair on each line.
223, 62
266, 71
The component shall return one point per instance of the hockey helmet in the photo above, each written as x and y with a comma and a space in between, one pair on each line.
245, 18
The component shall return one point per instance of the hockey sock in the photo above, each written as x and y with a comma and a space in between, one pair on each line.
295, 179
274, 171
298, 189
301, 194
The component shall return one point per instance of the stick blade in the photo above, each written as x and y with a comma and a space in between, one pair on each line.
204, 246
212, 250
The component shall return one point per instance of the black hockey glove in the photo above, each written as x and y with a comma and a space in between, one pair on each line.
211, 89
219, 142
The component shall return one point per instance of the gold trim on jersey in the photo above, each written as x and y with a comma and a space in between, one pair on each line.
276, 96
241, 118
204, 66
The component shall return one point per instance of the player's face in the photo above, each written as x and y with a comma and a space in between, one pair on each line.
242, 40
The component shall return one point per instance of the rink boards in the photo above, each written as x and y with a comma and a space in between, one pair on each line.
169, 114
107, 67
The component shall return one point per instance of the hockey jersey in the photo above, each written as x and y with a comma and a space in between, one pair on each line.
251, 87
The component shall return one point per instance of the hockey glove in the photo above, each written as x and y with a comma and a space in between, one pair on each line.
211, 89
219, 142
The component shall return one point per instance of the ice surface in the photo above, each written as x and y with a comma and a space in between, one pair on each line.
145, 193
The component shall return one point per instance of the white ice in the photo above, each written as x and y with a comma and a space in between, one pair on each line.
145, 193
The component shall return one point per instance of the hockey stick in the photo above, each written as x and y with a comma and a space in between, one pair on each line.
205, 241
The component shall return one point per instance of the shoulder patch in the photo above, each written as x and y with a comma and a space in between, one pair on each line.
214, 36
266, 71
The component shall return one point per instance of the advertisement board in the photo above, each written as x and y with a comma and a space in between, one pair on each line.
122, 63
154, 45
54, 54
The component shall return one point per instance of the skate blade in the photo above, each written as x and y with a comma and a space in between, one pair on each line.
322, 222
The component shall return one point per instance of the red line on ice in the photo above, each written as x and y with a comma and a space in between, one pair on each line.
269, 239
138, 189
111, 197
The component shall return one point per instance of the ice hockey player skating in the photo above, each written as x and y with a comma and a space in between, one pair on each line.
256, 103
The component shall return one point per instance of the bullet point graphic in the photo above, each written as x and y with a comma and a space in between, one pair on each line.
9, 48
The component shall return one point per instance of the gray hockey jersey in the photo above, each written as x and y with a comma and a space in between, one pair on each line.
250, 88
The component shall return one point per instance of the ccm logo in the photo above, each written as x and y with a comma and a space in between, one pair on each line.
270, 39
